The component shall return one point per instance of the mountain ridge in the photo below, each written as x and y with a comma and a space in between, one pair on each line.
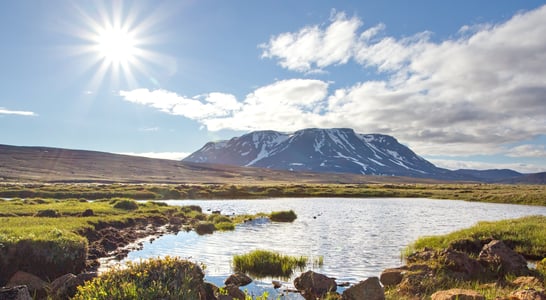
333, 150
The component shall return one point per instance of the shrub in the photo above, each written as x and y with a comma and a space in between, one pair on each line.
263, 263
283, 216
126, 204
167, 278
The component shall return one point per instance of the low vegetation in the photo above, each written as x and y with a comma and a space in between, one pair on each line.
498, 193
526, 235
432, 268
283, 216
167, 278
263, 263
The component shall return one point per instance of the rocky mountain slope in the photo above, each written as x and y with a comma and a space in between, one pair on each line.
338, 150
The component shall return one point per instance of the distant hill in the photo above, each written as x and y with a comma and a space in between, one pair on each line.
536, 178
494, 175
42, 164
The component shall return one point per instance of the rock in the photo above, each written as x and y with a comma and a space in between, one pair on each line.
235, 292
529, 294
390, 277
205, 228
36, 286
528, 282
19, 292
421, 256
496, 254
314, 285
276, 284
467, 246
208, 291
238, 279
457, 294
66, 286
369, 289
415, 283
88, 213
461, 264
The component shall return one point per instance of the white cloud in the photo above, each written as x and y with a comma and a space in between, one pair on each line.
538, 151
313, 47
161, 155
4, 111
475, 93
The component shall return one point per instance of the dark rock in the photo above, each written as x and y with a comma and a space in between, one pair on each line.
36, 286
461, 264
276, 284
238, 279
19, 292
88, 213
369, 289
497, 256
421, 256
314, 285
457, 294
205, 228
468, 246
208, 291
235, 292
64, 287
390, 277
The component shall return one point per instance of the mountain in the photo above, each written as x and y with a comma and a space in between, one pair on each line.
494, 175
339, 150
44, 164
536, 178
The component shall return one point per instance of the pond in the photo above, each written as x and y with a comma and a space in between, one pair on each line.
357, 238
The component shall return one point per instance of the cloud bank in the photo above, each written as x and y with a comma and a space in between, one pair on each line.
473, 93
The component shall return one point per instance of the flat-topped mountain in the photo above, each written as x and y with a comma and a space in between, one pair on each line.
339, 150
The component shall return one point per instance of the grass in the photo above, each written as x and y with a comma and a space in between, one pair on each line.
263, 263
283, 216
498, 193
167, 278
527, 235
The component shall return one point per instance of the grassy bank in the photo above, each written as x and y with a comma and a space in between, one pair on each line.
49, 237
438, 262
498, 193
263, 263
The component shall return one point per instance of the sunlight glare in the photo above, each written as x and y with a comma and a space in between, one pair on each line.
116, 46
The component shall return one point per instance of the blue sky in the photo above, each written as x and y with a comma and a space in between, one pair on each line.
462, 83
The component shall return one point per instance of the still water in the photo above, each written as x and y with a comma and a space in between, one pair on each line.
357, 238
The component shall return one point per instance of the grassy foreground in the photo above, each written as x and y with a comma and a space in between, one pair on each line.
498, 193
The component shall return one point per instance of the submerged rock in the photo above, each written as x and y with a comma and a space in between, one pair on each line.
314, 285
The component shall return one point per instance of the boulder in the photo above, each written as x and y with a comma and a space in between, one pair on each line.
235, 292
36, 286
468, 246
462, 266
314, 285
496, 255
19, 292
457, 294
66, 286
391, 277
369, 289
238, 279
528, 294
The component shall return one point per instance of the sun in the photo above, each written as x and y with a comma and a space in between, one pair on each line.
116, 46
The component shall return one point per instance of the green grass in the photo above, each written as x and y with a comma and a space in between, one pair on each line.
167, 278
283, 216
498, 193
527, 235
263, 263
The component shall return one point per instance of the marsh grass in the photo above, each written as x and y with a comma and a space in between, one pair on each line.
166, 278
527, 235
263, 263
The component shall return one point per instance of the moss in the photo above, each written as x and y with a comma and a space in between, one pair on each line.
126, 204
283, 216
